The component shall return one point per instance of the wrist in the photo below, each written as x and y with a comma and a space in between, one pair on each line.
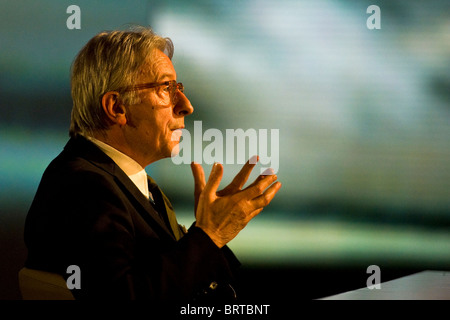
211, 234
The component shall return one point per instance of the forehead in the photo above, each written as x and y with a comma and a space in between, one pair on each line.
158, 67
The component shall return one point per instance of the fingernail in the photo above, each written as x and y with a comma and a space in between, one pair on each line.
254, 159
268, 172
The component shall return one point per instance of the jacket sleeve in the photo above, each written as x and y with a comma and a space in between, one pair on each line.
89, 221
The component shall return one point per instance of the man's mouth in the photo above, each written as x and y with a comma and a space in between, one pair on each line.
176, 134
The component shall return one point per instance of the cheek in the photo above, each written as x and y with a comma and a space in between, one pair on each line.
159, 126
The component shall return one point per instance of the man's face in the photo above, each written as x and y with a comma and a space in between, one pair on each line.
159, 118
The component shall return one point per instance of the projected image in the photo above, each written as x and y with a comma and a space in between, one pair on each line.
362, 115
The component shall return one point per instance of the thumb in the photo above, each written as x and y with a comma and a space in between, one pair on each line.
199, 182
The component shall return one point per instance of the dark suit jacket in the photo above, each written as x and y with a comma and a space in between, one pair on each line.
88, 213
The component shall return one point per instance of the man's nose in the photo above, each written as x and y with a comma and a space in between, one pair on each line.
183, 106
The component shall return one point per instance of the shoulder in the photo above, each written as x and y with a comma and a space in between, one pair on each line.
78, 174
80, 159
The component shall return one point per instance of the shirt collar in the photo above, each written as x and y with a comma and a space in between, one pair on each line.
132, 169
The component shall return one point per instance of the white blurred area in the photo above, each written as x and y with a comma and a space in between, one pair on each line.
363, 115
359, 119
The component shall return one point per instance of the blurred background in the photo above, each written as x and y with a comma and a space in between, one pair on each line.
363, 118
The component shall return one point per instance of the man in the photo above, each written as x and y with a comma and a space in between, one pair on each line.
97, 208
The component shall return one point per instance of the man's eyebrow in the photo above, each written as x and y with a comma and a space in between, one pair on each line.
164, 76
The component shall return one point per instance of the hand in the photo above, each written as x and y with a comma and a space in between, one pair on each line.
223, 214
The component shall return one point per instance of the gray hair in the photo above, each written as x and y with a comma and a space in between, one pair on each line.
109, 61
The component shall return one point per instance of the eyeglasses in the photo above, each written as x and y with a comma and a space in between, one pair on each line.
172, 86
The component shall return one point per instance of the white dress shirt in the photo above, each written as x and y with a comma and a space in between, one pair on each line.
131, 168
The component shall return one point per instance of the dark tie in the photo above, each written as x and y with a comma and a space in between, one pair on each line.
159, 210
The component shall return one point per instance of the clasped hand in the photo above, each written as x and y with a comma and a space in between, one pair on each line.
223, 214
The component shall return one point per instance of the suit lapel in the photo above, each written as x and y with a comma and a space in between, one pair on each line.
146, 207
157, 192
80, 146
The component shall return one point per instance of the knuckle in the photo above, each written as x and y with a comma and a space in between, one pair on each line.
266, 199
259, 188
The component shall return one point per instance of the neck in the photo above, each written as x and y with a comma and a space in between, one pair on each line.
120, 142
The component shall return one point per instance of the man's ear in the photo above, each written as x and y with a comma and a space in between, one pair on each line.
114, 109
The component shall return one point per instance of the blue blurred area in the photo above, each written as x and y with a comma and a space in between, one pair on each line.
363, 116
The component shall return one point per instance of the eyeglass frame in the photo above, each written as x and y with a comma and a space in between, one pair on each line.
171, 83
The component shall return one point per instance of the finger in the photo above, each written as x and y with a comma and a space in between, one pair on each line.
263, 200
214, 180
258, 188
262, 176
199, 182
199, 176
254, 213
241, 178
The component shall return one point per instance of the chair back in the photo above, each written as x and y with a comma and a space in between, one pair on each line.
43, 285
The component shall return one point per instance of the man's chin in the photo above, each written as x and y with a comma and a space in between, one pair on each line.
175, 150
